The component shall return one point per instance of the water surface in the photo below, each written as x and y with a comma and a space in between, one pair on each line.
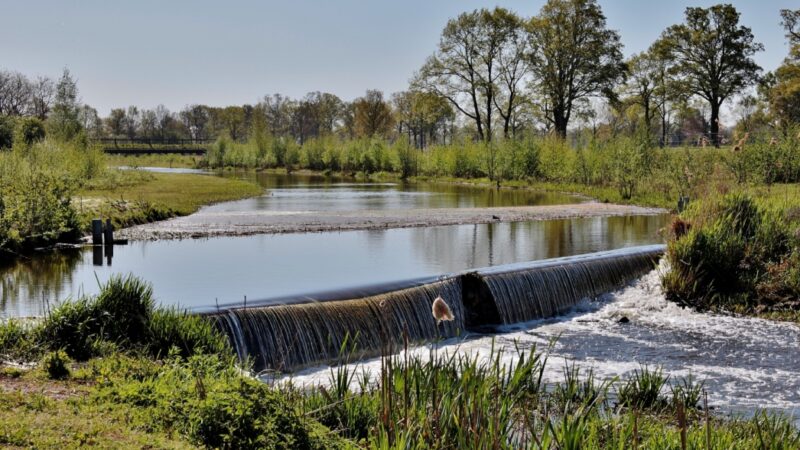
201, 272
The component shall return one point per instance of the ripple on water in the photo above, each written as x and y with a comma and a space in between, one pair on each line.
746, 363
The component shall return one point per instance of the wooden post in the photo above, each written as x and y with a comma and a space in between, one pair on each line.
109, 232
97, 232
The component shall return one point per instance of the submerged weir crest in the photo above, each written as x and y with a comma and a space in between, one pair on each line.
307, 330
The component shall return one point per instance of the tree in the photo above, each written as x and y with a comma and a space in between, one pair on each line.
514, 69
41, 99
90, 121
573, 56
133, 121
469, 63
278, 112
115, 122
195, 119
372, 115
64, 122
784, 95
713, 56
422, 115
15, 93
643, 78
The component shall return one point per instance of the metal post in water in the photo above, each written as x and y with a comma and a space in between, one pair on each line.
97, 232
109, 232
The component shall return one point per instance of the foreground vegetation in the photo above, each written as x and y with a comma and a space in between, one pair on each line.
116, 370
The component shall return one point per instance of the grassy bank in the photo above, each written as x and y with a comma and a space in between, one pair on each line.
114, 370
739, 253
139, 197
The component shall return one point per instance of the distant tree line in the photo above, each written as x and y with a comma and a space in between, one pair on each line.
495, 74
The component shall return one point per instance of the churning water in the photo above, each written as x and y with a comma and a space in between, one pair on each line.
746, 363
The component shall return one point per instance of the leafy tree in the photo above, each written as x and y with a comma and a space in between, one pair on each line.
644, 70
468, 67
64, 122
573, 56
713, 56
372, 114
422, 115
784, 94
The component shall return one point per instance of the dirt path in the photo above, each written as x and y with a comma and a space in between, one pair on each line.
208, 224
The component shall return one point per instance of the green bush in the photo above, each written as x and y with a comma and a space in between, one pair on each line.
7, 127
29, 130
56, 365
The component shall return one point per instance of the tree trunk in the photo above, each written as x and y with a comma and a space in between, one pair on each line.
714, 125
560, 121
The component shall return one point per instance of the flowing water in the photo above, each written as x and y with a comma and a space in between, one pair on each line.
746, 363
301, 331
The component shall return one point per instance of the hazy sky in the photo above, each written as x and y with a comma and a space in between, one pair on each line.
147, 52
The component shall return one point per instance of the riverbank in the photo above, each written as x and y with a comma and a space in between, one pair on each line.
142, 197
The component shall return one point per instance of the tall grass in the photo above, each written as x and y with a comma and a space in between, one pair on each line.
500, 401
123, 316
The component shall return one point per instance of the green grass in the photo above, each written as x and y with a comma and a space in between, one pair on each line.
145, 197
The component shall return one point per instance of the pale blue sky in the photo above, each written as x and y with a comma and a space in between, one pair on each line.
148, 52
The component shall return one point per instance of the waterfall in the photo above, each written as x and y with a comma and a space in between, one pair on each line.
290, 336
298, 332
541, 289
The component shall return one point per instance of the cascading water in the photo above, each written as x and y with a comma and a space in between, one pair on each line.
289, 336
541, 289
298, 332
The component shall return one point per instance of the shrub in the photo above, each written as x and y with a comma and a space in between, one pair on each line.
56, 365
29, 130
6, 132
123, 316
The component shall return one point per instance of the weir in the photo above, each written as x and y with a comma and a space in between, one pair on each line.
290, 333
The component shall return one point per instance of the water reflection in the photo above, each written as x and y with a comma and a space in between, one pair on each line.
318, 193
200, 272
29, 286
